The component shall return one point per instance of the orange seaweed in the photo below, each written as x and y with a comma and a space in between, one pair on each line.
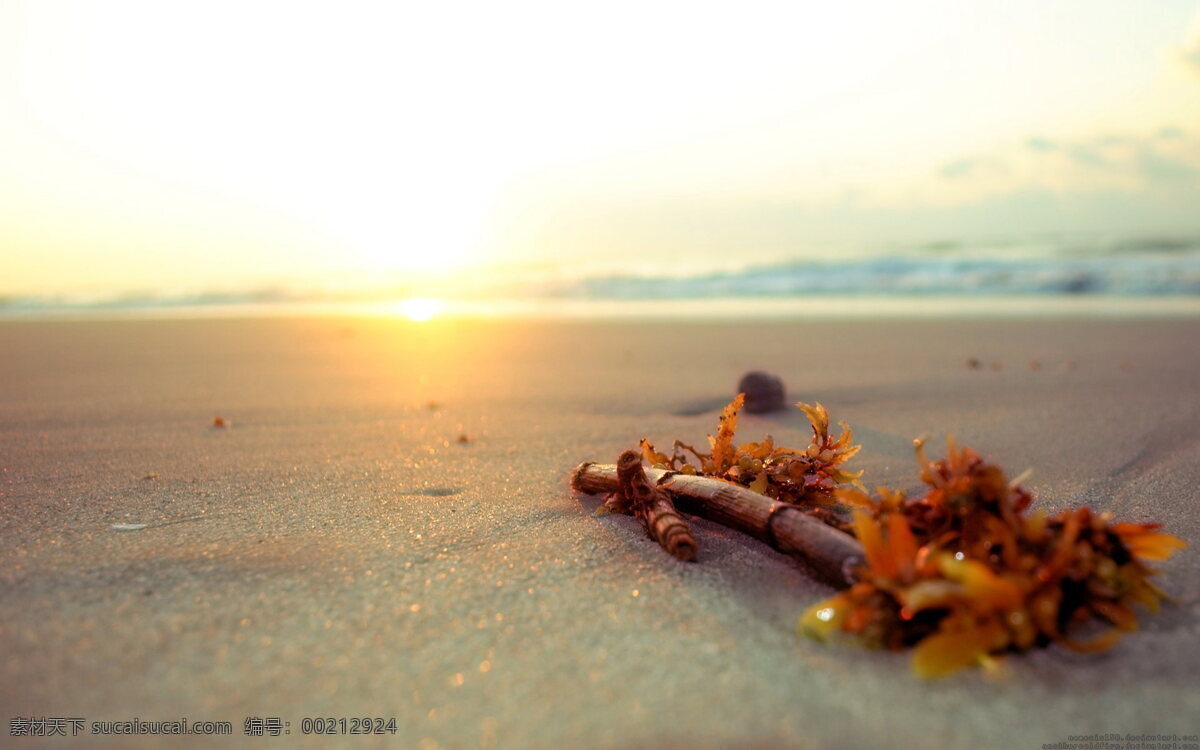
809, 475
963, 574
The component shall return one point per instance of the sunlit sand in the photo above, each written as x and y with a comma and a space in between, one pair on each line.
336, 551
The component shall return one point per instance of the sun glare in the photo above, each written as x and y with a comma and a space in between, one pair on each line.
419, 309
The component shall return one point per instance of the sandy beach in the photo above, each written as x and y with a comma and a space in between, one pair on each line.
338, 552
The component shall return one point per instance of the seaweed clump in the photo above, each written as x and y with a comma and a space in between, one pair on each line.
964, 573
809, 475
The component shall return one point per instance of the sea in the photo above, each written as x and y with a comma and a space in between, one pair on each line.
1114, 275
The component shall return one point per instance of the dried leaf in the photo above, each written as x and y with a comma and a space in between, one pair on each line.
653, 457
943, 653
818, 416
723, 450
760, 483
1152, 545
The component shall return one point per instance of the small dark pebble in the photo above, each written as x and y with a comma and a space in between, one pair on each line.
974, 363
436, 491
764, 392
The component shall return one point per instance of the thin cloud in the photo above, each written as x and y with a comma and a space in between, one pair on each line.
958, 168
1191, 56
1167, 156
1158, 167
1189, 53
1086, 154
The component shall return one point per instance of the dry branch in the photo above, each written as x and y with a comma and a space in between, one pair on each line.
831, 554
653, 507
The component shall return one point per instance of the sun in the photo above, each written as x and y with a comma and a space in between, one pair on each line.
419, 309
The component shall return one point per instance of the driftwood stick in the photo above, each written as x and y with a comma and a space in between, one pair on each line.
833, 555
653, 507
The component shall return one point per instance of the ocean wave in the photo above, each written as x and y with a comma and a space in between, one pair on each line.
1171, 275
1132, 267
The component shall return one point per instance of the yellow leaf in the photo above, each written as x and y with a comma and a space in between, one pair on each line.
1155, 545
891, 500
930, 595
902, 544
854, 496
825, 618
759, 484
846, 477
848, 453
867, 530
723, 450
983, 587
758, 450
818, 416
652, 456
1144, 595
943, 653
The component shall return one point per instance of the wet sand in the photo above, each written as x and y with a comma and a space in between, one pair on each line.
337, 552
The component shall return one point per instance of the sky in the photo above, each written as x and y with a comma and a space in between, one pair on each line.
225, 145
